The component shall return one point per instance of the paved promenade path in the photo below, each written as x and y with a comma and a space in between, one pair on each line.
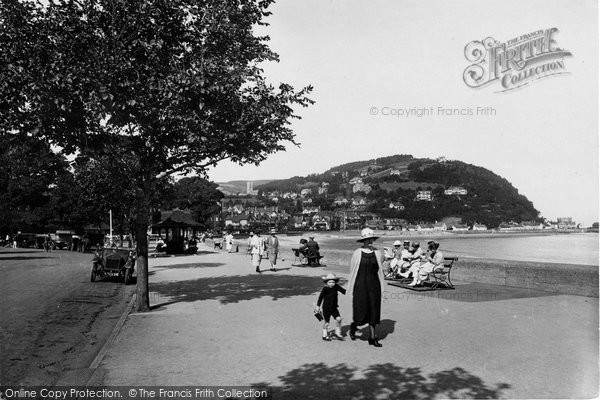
217, 322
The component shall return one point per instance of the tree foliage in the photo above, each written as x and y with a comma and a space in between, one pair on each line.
29, 173
176, 84
196, 194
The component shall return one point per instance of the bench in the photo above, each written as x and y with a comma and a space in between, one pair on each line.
441, 275
437, 279
299, 257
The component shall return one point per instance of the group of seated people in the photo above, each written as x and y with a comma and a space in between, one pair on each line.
309, 249
409, 260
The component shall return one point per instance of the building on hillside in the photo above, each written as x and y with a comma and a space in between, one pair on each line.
460, 227
566, 223
340, 201
396, 206
306, 192
440, 226
531, 225
311, 210
355, 180
424, 195
358, 201
361, 187
425, 227
237, 221
479, 227
455, 190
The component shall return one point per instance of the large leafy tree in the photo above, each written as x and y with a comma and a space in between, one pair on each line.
29, 173
197, 195
177, 84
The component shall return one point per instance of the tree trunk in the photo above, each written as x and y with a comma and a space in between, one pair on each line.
141, 228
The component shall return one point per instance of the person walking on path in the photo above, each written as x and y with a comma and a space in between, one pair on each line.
249, 244
256, 249
229, 242
329, 307
365, 285
272, 247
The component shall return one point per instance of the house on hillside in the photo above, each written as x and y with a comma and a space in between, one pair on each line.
355, 180
237, 221
396, 206
531, 225
425, 227
358, 201
479, 227
340, 201
440, 226
455, 190
424, 195
460, 227
305, 192
361, 187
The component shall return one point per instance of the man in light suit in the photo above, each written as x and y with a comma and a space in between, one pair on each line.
272, 246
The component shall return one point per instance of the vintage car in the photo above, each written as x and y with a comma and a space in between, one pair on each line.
113, 261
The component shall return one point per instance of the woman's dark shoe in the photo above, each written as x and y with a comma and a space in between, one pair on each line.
352, 332
327, 338
375, 342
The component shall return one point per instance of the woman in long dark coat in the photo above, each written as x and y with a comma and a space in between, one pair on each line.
365, 285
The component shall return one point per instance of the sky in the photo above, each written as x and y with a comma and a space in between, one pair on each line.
371, 61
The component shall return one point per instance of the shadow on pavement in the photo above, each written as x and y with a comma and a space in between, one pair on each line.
386, 327
191, 265
14, 258
233, 289
320, 381
477, 292
16, 251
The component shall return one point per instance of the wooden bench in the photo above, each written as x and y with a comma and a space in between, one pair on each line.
299, 257
441, 275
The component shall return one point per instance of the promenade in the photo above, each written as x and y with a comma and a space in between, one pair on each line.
217, 322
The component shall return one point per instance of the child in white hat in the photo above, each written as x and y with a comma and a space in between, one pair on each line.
329, 306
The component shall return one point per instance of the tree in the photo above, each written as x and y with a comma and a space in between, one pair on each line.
29, 170
196, 194
176, 84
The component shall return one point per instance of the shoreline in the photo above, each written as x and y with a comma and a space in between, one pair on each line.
355, 234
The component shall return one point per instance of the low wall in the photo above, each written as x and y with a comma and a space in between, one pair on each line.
581, 280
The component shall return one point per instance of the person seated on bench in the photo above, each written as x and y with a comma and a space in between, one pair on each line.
160, 245
433, 259
312, 251
405, 257
414, 257
393, 259
302, 249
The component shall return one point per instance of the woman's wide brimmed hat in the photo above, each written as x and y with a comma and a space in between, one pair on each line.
330, 277
397, 243
367, 233
273, 230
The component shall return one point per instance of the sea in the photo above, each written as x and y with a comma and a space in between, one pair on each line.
565, 248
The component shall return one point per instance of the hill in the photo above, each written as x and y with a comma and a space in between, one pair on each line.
417, 190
